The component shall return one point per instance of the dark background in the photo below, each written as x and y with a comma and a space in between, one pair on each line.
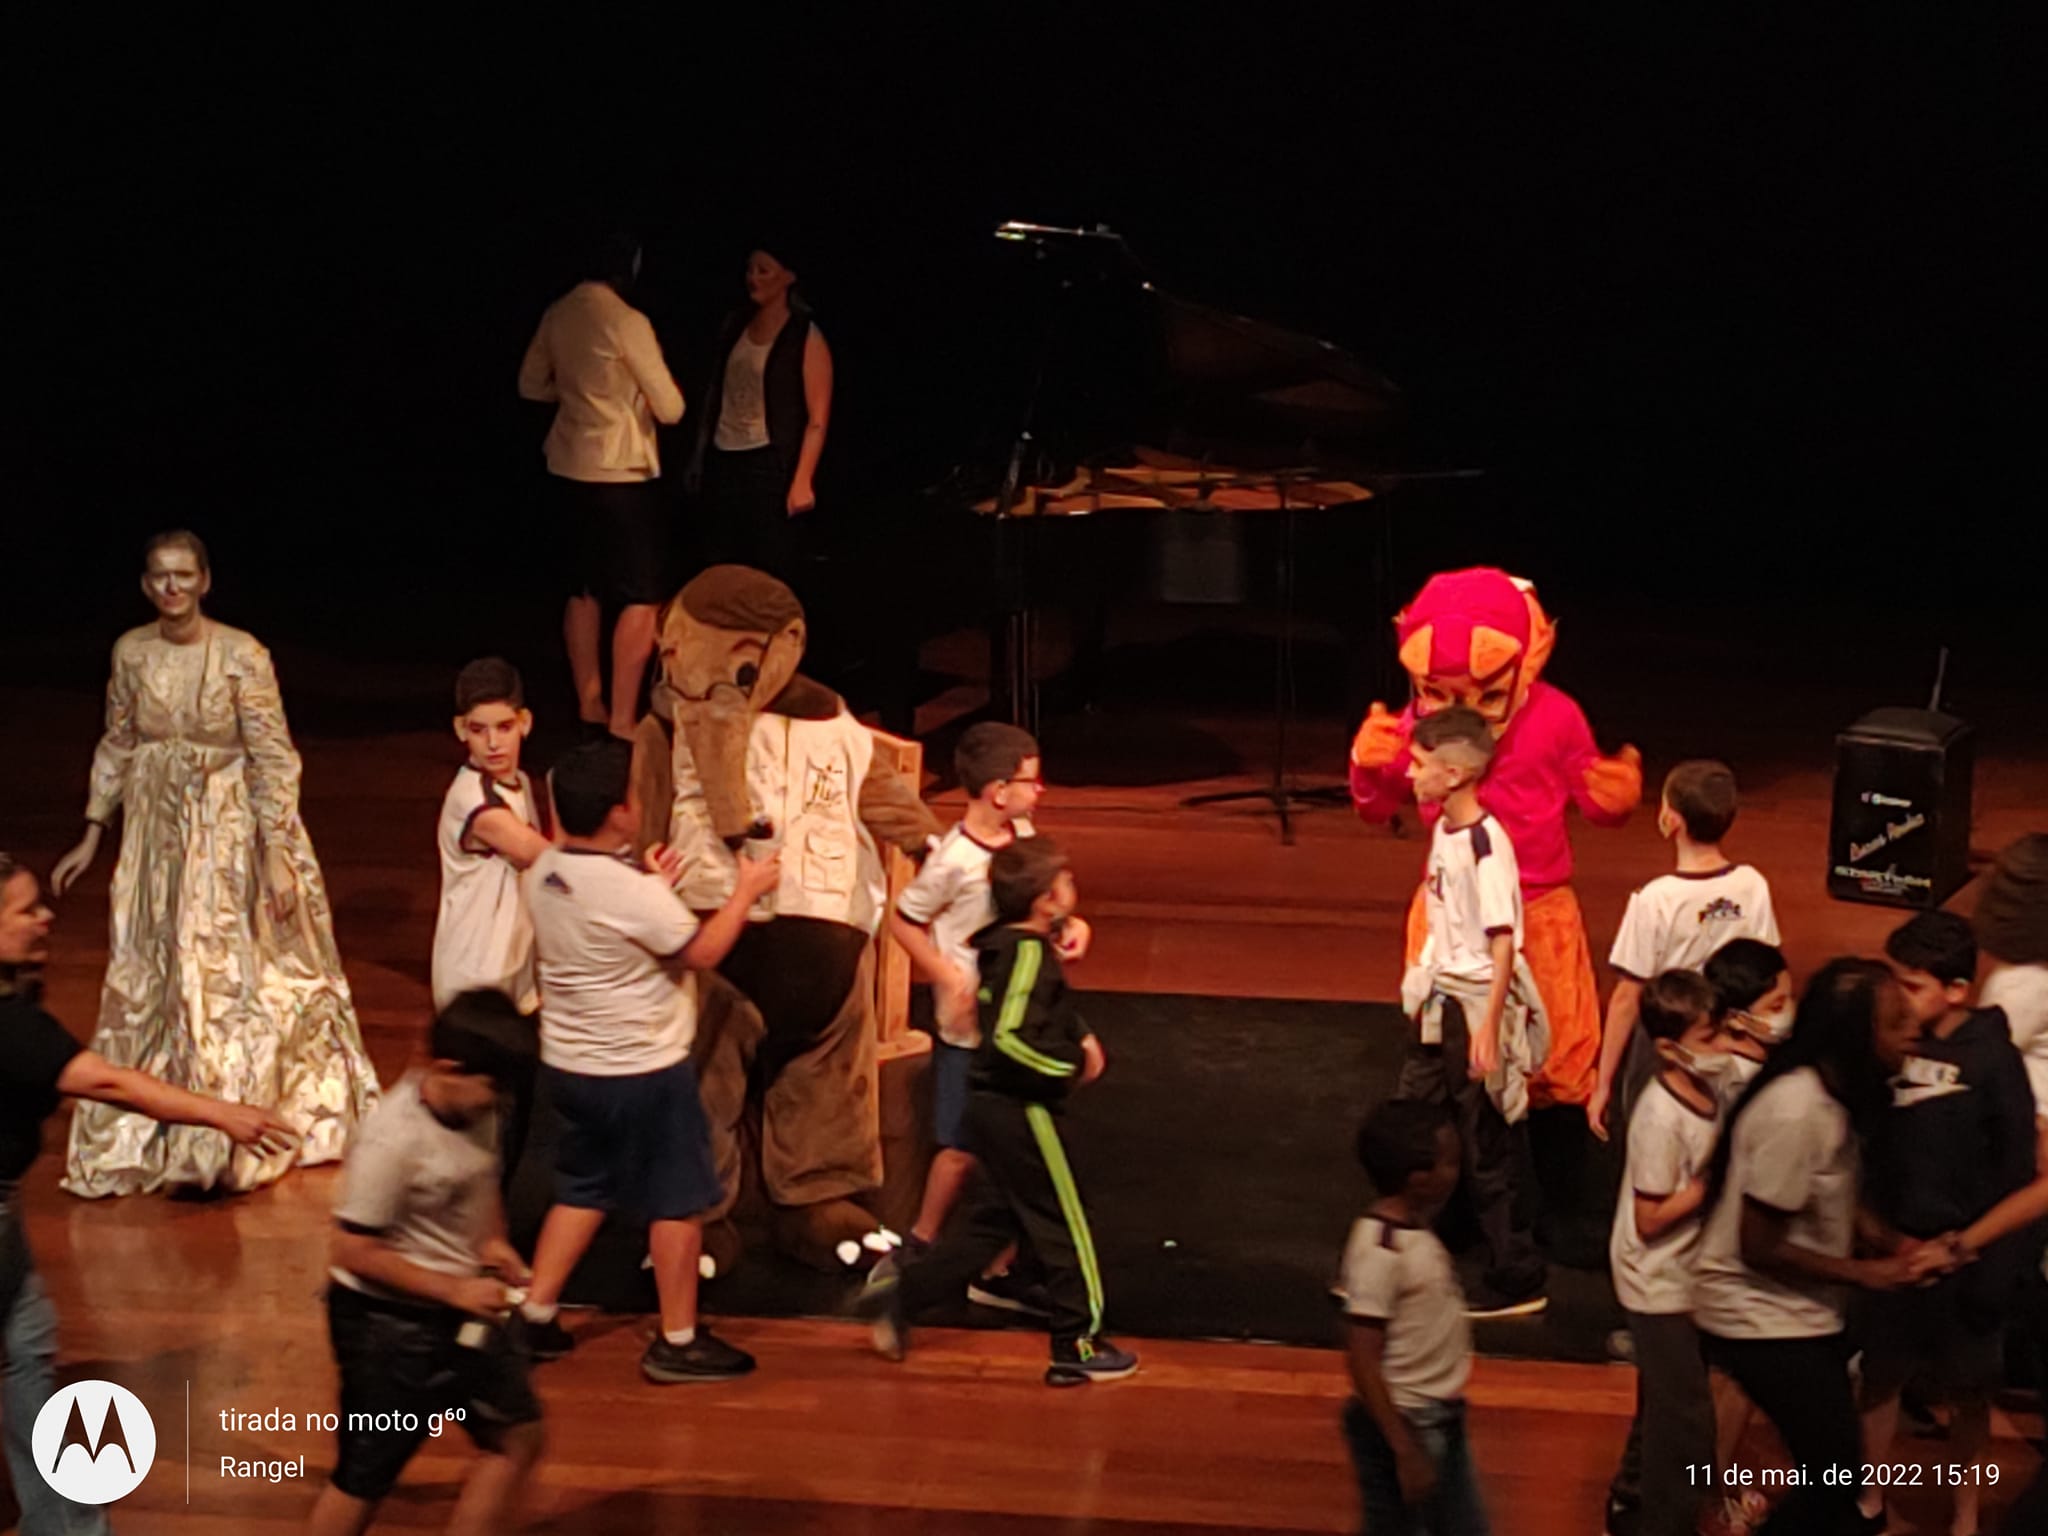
1742, 324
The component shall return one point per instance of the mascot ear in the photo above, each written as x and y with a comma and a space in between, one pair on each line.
1492, 651
1542, 633
778, 663
1415, 651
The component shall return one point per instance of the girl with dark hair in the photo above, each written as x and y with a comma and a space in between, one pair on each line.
222, 973
1783, 1225
596, 359
760, 437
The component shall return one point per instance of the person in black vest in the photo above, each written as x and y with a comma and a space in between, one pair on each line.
41, 1064
762, 430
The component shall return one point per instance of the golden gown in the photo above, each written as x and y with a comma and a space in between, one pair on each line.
203, 989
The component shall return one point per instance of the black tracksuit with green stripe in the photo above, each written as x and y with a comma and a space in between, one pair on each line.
1030, 1055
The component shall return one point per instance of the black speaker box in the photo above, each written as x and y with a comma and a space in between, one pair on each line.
1900, 835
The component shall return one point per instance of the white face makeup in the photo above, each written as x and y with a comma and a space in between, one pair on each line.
174, 581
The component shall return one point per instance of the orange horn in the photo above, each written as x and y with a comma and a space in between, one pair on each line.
1415, 651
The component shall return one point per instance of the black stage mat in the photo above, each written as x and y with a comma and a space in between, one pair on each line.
1216, 1161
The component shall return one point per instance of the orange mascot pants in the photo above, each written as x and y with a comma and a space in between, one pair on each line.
1554, 944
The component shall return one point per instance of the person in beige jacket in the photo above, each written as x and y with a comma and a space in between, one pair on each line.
595, 357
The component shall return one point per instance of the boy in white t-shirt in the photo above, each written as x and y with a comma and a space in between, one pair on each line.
1406, 1340
935, 920
618, 1014
489, 832
1656, 1233
2012, 931
1478, 1020
1676, 921
1752, 1007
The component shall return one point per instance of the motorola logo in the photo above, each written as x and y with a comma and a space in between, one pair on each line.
94, 1442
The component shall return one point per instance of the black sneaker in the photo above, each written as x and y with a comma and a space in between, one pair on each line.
1087, 1360
1484, 1304
881, 1303
1918, 1415
890, 1266
1008, 1292
705, 1358
545, 1341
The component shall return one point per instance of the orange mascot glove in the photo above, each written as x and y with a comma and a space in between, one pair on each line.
1380, 741
1615, 784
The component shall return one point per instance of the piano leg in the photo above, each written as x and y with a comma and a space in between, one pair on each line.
1281, 794
1013, 641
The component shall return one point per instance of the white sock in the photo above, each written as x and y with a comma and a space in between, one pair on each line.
679, 1336
535, 1313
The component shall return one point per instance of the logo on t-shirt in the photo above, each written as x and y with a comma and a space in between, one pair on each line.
557, 884
94, 1442
1721, 909
1920, 1079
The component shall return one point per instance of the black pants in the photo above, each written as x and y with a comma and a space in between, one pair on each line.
1802, 1387
1025, 1191
1440, 1074
1673, 1430
2029, 1512
743, 516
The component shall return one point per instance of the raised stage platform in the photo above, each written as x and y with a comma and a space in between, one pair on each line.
1247, 971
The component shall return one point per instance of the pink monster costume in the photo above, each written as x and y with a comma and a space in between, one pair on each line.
1481, 639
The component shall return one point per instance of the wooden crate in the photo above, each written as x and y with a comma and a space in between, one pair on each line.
902, 1054
892, 965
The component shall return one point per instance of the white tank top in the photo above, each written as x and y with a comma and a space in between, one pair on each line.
743, 416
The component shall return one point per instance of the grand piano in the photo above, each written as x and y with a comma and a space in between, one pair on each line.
1129, 401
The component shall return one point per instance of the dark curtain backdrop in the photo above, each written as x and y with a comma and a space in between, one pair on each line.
1733, 319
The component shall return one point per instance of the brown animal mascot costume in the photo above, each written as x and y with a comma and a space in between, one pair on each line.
755, 754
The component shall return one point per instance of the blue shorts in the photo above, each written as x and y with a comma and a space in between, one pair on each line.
638, 1146
949, 1092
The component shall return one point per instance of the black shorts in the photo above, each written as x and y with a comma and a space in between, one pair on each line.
405, 1375
1931, 1333
616, 534
638, 1146
950, 1066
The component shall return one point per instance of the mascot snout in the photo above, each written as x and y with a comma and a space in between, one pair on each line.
730, 644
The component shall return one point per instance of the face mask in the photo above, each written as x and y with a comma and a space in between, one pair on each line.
1771, 1028
1710, 1067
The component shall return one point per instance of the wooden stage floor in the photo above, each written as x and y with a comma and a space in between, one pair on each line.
826, 1438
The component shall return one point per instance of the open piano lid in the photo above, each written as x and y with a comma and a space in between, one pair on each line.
1137, 386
